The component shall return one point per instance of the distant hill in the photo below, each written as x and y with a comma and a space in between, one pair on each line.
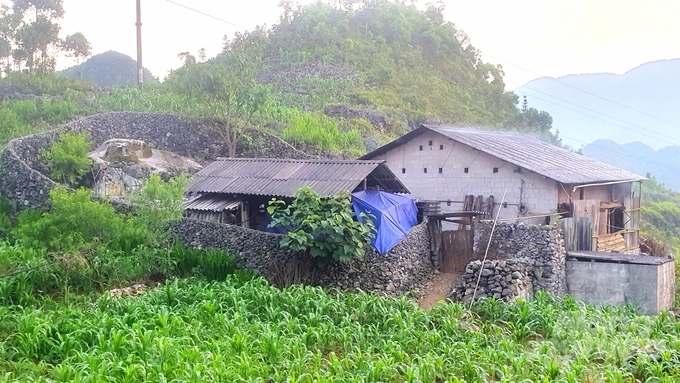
109, 69
663, 164
653, 88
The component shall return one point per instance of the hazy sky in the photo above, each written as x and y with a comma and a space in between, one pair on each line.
545, 37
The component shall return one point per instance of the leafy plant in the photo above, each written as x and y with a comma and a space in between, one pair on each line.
68, 158
324, 227
157, 204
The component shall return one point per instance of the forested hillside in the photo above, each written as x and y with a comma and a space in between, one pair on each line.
391, 64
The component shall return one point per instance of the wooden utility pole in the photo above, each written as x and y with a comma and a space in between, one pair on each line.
140, 67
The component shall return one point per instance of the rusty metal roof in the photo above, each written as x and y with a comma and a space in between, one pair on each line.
526, 151
283, 177
212, 202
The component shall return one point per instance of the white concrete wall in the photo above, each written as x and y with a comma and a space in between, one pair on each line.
539, 193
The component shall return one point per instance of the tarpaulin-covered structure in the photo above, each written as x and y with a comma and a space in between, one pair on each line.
393, 215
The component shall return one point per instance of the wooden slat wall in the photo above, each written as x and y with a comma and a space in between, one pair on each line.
577, 233
632, 223
589, 208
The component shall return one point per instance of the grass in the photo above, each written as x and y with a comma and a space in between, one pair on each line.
243, 330
321, 131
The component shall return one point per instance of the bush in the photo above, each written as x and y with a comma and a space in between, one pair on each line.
75, 223
68, 159
157, 204
322, 226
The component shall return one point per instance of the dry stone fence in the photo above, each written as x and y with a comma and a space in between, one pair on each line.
25, 182
522, 259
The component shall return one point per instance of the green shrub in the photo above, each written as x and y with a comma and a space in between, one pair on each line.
322, 226
157, 204
76, 222
68, 159
211, 264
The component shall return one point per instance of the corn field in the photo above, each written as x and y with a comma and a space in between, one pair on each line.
244, 330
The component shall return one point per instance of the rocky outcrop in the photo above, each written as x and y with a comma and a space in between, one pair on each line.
25, 177
120, 166
375, 118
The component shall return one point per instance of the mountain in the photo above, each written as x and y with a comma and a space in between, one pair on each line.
590, 107
109, 69
663, 164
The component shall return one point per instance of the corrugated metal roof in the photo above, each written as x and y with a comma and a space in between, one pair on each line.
282, 177
525, 151
212, 203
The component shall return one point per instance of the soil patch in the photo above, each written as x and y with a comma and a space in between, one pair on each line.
438, 288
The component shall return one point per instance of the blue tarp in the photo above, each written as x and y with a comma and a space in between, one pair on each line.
393, 216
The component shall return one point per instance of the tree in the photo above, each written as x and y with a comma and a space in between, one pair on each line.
77, 46
29, 35
324, 227
228, 87
187, 58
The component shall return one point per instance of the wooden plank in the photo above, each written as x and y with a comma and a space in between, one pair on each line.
568, 226
589, 208
456, 250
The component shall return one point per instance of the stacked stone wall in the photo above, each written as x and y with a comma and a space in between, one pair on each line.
505, 279
543, 244
24, 175
404, 268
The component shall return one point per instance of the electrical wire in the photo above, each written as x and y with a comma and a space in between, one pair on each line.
584, 91
206, 14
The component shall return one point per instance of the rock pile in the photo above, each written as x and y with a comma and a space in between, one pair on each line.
501, 279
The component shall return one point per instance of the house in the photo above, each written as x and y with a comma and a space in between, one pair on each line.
465, 169
237, 190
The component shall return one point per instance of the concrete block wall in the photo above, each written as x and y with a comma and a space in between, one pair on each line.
650, 288
408, 162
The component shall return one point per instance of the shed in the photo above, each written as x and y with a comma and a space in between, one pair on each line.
251, 183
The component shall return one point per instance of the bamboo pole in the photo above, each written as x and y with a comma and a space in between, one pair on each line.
486, 253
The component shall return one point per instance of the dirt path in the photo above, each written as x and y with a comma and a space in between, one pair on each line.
439, 286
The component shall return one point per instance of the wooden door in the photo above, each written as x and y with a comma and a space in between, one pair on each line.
456, 250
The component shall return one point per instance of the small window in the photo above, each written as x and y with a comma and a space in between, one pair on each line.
441, 147
495, 170
424, 170
430, 143
421, 147
466, 170
441, 170
403, 170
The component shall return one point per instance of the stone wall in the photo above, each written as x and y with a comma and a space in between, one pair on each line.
404, 268
24, 177
541, 243
501, 279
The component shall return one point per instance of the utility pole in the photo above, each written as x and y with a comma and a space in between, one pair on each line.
140, 67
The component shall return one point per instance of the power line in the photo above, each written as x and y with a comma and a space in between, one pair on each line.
206, 14
585, 91
661, 136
